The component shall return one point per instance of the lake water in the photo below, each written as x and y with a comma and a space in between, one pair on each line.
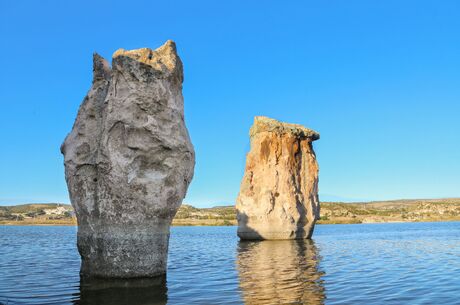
403, 263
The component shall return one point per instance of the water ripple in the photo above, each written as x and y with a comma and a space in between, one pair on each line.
416, 263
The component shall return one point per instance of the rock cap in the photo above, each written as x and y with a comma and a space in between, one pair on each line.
163, 59
265, 124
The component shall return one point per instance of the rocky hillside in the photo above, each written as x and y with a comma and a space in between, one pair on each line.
331, 212
37, 213
391, 211
339, 212
217, 216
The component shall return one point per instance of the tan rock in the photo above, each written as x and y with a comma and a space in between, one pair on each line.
278, 197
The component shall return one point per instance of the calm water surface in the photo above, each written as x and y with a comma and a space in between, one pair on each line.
404, 263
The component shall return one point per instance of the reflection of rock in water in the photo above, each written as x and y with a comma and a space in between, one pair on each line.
280, 272
145, 291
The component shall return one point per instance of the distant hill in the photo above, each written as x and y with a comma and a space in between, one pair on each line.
37, 213
331, 212
33, 207
391, 211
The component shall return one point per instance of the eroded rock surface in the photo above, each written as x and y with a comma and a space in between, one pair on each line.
278, 197
128, 162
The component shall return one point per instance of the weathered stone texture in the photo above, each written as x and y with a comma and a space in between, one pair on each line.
128, 162
278, 197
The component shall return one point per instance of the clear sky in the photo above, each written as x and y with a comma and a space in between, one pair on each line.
380, 81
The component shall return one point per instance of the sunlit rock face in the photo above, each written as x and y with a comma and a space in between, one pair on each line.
279, 272
278, 197
128, 162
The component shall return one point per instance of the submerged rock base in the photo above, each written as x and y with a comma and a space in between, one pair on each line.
124, 251
278, 197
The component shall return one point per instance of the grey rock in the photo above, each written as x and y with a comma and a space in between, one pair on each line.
128, 162
278, 196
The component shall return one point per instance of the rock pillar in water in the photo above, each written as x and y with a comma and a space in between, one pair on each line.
128, 162
278, 197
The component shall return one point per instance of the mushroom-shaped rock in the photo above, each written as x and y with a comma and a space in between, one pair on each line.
278, 197
128, 162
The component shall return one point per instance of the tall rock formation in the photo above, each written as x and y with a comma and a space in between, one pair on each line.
278, 197
128, 162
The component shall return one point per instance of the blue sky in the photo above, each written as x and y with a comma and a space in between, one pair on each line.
380, 80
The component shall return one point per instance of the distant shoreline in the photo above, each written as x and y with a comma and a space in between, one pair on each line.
394, 211
71, 224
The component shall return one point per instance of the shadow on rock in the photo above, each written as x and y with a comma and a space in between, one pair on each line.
246, 232
143, 291
280, 272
